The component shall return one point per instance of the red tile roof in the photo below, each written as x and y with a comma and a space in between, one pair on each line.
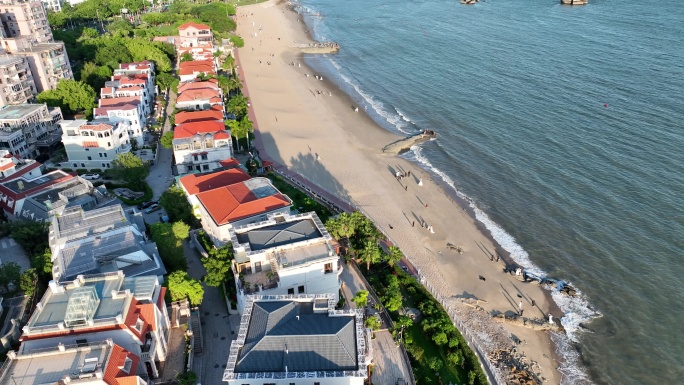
211, 84
199, 116
88, 144
96, 127
116, 361
193, 25
134, 88
189, 129
7, 166
144, 311
196, 66
221, 135
18, 195
160, 300
235, 202
22, 171
199, 94
229, 163
122, 101
197, 183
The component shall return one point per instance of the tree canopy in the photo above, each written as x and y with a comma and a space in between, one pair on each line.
131, 169
182, 286
71, 96
218, 265
167, 139
360, 298
238, 105
170, 244
176, 204
10, 273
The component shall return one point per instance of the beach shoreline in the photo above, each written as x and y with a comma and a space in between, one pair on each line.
292, 117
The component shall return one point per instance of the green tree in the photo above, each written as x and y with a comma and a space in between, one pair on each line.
111, 53
42, 262
165, 80
370, 254
393, 255
182, 286
143, 49
70, 95
169, 246
455, 358
177, 206
228, 63
237, 41
218, 265
237, 105
186, 57
31, 236
120, 27
435, 363
187, 378
28, 282
180, 230
360, 298
167, 139
373, 322
57, 19
440, 338
10, 274
95, 75
131, 169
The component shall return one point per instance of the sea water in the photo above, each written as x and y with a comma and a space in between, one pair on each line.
564, 128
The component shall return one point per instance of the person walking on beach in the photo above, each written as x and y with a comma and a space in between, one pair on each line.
520, 309
413, 224
420, 182
406, 188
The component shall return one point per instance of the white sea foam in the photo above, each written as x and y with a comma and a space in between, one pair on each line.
571, 369
576, 309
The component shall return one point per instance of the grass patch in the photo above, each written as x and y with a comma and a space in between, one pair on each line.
300, 200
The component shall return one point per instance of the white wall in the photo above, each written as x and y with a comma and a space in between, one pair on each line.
302, 381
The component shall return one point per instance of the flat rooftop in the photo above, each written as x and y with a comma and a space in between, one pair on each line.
75, 223
50, 367
20, 185
19, 111
280, 234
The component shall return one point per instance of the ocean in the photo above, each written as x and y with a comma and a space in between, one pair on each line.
564, 127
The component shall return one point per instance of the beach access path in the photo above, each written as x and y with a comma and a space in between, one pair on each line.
310, 128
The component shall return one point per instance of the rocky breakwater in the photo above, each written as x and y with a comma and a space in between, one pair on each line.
318, 48
403, 145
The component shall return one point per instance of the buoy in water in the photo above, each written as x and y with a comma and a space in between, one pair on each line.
605, 105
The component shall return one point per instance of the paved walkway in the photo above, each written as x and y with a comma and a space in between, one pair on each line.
161, 176
389, 363
175, 360
218, 333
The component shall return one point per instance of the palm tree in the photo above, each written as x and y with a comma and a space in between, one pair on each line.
393, 255
370, 253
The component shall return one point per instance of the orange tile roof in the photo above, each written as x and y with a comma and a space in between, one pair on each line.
187, 130
235, 202
117, 358
106, 90
211, 84
229, 163
130, 380
134, 88
200, 94
193, 25
221, 135
160, 300
145, 311
198, 116
197, 183
96, 127
88, 144
122, 101
7, 166
196, 66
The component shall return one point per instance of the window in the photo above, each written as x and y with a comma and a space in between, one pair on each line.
89, 158
87, 149
82, 342
109, 144
104, 165
204, 157
75, 165
290, 291
328, 268
127, 365
257, 267
83, 165
105, 154
300, 289
205, 167
139, 325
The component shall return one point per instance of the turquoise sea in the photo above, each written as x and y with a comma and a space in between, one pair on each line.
565, 127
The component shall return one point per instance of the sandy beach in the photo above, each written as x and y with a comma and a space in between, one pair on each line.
310, 126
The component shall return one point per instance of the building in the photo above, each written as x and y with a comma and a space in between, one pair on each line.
194, 35
286, 254
25, 18
204, 52
102, 240
193, 184
16, 81
29, 129
15, 190
49, 62
141, 70
299, 340
239, 204
199, 95
200, 146
129, 311
95, 363
215, 113
95, 145
53, 5
12, 166
190, 70
132, 111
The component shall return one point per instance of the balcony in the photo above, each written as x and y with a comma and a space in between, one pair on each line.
255, 282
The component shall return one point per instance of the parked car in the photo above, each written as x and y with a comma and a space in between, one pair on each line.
91, 176
107, 178
145, 205
152, 208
